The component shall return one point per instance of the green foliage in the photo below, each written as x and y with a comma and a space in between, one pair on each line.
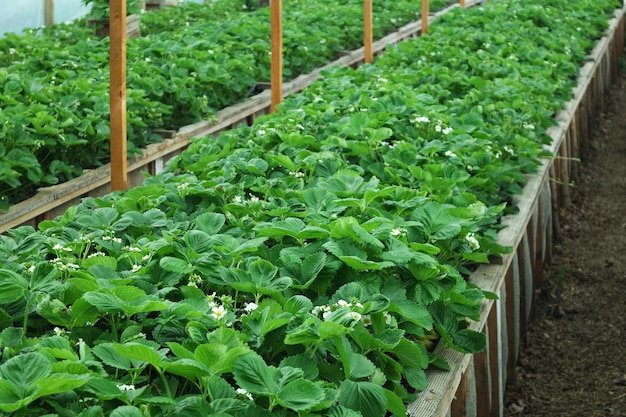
308, 264
191, 61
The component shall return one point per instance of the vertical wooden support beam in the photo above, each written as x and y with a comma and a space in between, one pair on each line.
458, 408
494, 362
424, 16
462, 3
48, 12
368, 31
513, 321
117, 91
481, 374
276, 22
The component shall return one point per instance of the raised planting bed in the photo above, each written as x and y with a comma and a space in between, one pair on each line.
54, 82
50, 202
476, 384
324, 260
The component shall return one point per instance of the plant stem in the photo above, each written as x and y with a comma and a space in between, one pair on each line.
165, 383
25, 323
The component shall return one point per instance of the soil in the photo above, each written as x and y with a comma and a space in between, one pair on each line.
573, 362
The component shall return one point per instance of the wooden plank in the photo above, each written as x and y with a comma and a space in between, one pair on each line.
537, 243
575, 147
276, 22
481, 375
494, 363
459, 403
564, 179
117, 93
471, 396
512, 304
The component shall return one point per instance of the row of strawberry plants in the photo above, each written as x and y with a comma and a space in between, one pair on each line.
54, 84
303, 265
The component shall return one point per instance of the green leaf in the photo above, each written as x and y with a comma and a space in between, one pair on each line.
298, 304
366, 397
172, 264
330, 329
187, 368
303, 362
12, 286
292, 227
435, 221
58, 347
25, 370
210, 223
257, 166
415, 377
57, 383
107, 261
339, 411
253, 375
300, 394
11, 337
307, 271
220, 388
198, 240
10, 397
140, 352
413, 312
262, 271
127, 411
411, 354
395, 405
111, 357
105, 302
360, 366
227, 407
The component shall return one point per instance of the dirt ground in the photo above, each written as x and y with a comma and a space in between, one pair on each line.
574, 359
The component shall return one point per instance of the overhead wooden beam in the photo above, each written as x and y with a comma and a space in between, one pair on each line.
117, 58
368, 35
276, 22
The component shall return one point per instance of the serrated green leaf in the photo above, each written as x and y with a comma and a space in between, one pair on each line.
210, 223
366, 397
413, 312
127, 411
415, 377
25, 370
300, 394
172, 264
252, 374
12, 286
140, 352
360, 366
111, 357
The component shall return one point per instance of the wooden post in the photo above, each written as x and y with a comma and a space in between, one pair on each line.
276, 23
48, 11
368, 36
117, 91
462, 3
424, 16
